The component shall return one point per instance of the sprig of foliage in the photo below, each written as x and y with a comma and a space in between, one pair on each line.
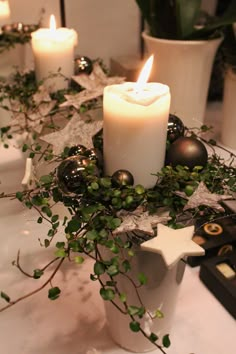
17, 97
9, 38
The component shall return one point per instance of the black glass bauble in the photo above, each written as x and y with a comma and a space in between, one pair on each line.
187, 151
122, 178
94, 155
175, 128
77, 150
70, 174
83, 65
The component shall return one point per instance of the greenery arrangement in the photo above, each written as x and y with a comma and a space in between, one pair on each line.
16, 33
28, 117
93, 212
183, 19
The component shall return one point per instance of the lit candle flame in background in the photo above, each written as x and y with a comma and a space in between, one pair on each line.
144, 75
52, 23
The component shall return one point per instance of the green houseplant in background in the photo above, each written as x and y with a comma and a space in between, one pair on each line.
182, 19
228, 125
184, 42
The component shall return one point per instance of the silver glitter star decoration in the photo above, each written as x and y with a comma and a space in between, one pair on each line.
42, 95
140, 220
36, 117
97, 79
94, 85
202, 196
78, 99
77, 131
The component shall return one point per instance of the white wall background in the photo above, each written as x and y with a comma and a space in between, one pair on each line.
29, 11
106, 28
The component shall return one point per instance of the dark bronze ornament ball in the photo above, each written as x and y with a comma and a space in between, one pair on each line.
92, 154
95, 155
70, 174
122, 178
175, 128
83, 65
187, 151
77, 150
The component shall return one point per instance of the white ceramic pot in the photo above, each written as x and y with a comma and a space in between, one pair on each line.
228, 127
160, 292
185, 66
12, 59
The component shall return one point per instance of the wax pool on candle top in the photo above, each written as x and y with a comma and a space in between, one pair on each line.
53, 50
135, 130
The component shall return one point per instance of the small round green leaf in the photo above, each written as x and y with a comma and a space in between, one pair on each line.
37, 273
107, 294
54, 293
99, 268
166, 341
134, 326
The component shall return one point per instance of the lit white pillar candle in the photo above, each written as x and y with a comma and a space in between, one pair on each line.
53, 50
4, 13
135, 128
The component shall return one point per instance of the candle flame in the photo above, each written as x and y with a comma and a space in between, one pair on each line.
144, 75
52, 23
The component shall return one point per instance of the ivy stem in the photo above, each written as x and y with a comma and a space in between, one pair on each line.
12, 303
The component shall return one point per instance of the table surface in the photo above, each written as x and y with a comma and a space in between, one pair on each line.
75, 323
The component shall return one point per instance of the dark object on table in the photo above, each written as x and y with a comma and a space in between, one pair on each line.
70, 174
83, 65
187, 151
219, 276
95, 155
175, 128
217, 238
77, 150
122, 178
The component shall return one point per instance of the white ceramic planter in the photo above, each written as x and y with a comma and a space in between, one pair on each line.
185, 66
228, 127
160, 293
12, 59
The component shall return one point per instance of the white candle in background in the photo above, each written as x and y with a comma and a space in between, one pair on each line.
135, 128
4, 13
53, 50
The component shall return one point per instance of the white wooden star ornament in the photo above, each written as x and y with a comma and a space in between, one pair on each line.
173, 244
